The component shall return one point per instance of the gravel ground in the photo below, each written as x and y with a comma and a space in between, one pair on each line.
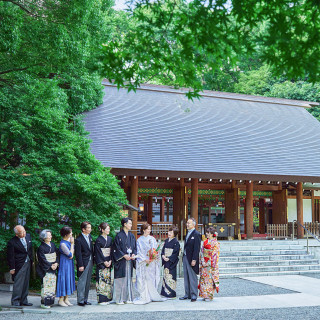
305, 313
228, 288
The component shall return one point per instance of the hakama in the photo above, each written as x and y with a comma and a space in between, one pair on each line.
122, 288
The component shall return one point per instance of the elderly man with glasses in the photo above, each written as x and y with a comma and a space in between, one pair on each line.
19, 255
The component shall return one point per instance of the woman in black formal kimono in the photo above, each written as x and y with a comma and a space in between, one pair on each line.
48, 261
103, 259
170, 258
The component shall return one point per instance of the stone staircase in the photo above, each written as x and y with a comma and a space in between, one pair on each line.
265, 258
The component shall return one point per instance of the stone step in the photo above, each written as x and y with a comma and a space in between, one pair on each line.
264, 258
244, 243
246, 270
263, 274
262, 252
262, 248
266, 263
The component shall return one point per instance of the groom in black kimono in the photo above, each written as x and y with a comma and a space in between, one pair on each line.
124, 254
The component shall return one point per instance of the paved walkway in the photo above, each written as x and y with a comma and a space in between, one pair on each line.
262, 293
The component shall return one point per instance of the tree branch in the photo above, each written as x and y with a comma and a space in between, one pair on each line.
19, 69
20, 6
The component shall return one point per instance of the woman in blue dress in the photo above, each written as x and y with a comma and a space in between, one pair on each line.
66, 278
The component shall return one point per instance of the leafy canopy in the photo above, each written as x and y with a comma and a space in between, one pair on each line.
49, 75
179, 40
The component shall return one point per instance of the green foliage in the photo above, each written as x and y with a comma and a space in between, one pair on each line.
49, 75
255, 82
177, 41
261, 82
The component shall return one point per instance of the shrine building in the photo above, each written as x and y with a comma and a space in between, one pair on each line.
224, 159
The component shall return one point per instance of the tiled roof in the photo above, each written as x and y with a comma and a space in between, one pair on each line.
158, 131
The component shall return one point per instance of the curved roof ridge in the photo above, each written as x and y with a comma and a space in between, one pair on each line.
223, 95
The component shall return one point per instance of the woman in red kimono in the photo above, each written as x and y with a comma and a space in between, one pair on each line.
209, 269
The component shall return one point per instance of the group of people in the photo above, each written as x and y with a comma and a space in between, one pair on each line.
56, 265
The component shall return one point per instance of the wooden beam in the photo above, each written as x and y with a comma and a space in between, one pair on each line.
300, 210
204, 186
212, 175
249, 210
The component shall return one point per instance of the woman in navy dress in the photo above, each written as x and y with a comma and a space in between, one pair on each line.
66, 278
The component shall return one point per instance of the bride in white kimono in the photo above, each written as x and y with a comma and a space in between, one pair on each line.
147, 268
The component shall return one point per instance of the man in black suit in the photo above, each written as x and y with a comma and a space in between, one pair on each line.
191, 253
84, 256
19, 256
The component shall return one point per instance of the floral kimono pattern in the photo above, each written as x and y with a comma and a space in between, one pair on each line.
103, 285
209, 269
48, 289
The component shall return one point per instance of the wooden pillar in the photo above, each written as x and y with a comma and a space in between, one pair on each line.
176, 206
182, 214
168, 210
194, 199
312, 206
262, 222
300, 210
162, 205
186, 203
279, 207
245, 215
232, 208
134, 202
126, 187
249, 209
149, 212
145, 209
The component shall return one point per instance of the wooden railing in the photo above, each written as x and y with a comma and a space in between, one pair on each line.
277, 231
159, 229
281, 231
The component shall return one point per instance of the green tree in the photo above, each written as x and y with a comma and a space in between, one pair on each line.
50, 75
255, 82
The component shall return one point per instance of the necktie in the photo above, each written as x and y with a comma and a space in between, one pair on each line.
88, 242
188, 235
87, 239
23, 240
